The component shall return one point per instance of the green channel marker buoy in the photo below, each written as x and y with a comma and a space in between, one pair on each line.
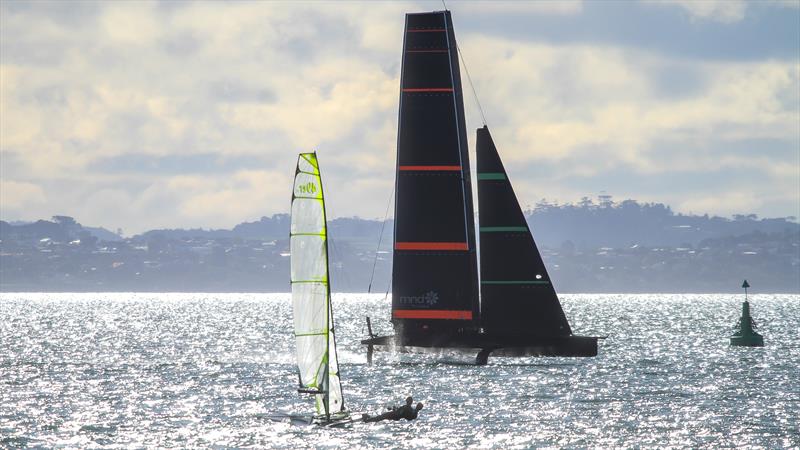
746, 335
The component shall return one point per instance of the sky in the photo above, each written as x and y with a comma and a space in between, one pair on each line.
140, 115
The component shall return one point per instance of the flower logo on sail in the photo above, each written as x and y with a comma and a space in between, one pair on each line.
427, 299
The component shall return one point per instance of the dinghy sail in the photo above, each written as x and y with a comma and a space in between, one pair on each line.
317, 363
437, 300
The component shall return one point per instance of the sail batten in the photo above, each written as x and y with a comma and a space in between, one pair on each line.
311, 301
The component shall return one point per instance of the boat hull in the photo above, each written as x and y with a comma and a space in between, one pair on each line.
753, 340
507, 346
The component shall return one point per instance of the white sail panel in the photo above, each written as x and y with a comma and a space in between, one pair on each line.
311, 251
310, 317
336, 399
313, 314
308, 216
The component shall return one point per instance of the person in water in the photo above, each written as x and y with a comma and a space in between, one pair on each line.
395, 413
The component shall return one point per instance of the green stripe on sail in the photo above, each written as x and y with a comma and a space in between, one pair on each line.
491, 176
308, 198
310, 334
307, 234
310, 281
517, 282
501, 229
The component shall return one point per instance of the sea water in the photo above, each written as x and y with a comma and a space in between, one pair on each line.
210, 370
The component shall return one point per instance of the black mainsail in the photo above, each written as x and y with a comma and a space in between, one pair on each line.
517, 295
434, 279
436, 301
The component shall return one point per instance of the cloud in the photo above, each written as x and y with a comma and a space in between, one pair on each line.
728, 203
16, 196
726, 11
567, 116
560, 100
562, 7
191, 114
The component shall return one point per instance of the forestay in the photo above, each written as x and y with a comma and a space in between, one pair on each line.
313, 315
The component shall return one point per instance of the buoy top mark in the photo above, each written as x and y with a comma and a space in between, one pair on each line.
745, 284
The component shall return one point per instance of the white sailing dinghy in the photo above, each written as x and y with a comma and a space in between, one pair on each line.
318, 367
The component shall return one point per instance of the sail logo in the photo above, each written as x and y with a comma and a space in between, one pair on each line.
427, 299
307, 188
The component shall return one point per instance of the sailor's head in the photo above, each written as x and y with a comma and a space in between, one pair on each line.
409, 400
419, 406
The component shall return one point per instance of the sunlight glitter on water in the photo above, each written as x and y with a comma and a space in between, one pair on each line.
160, 370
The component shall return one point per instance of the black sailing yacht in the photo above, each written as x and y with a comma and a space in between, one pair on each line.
437, 301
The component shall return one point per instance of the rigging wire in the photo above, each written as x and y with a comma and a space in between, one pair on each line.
469, 78
380, 239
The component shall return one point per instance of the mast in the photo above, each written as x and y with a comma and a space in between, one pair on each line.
434, 275
517, 295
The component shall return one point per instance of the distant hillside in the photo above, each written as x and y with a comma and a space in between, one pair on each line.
588, 224
275, 228
60, 228
605, 247
610, 224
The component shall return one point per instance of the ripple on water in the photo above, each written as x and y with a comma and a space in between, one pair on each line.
160, 370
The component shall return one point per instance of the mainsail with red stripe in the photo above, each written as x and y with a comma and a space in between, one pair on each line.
435, 275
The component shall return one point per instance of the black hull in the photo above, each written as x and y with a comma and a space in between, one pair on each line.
510, 346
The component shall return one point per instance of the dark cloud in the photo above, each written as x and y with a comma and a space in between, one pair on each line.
702, 148
12, 165
181, 44
671, 156
675, 81
766, 31
73, 13
236, 91
681, 183
175, 164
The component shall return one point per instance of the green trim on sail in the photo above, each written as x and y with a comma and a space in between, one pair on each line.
308, 198
516, 282
308, 234
309, 281
311, 158
491, 176
323, 333
501, 229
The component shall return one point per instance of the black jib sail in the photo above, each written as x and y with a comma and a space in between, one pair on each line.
517, 295
434, 279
